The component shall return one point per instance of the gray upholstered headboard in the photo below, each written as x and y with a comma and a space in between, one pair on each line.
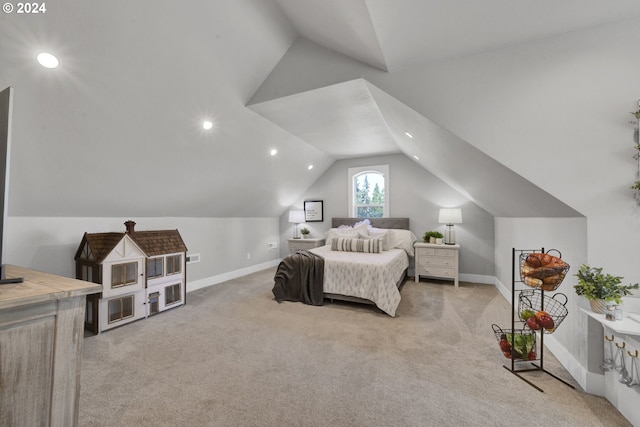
401, 223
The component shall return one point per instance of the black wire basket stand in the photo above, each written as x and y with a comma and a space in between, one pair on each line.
518, 366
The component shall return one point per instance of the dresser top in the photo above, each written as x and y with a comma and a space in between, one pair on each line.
40, 287
433, 245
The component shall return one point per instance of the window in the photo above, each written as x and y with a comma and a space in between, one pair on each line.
120, 308
174, 264
172, 294
87, 273
368, 195
124, 274
155, 267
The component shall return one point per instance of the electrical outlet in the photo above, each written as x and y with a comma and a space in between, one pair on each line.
272, 245
193, 258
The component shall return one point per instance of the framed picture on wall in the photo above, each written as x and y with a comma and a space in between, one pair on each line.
313, 211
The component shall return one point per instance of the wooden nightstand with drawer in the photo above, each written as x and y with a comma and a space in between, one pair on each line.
437, 261
304, 244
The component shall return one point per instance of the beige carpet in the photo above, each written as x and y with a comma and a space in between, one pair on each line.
234, 357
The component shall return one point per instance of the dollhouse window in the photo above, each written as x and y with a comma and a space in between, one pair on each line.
124, 274
174, 264
155, 267
172, 294
87, 273
120, 308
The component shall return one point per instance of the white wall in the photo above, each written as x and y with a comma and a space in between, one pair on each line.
50, 243
556, 111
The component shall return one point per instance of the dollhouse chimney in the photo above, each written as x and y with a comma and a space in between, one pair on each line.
130, 226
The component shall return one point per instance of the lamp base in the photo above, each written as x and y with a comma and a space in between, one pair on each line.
449, 235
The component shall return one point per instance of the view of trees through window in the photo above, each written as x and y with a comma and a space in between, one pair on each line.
369, 195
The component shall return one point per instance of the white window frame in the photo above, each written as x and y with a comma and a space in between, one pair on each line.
123, 280
171, 291
173, 264
156, 261
121, 312
354, 172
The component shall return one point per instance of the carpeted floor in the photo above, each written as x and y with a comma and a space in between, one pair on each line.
234, 357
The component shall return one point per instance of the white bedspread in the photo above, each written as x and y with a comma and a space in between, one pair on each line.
365, 275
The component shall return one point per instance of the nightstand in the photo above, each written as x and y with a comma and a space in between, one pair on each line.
438, 261
304, 244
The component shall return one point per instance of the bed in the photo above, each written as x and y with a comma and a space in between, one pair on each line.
363, 277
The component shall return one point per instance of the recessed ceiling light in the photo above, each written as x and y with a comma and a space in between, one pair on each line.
207, 125
310, 167
273, 152
409, 135
47, 60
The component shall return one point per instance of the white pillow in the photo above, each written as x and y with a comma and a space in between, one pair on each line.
382, 234
334, 233
364, 221
402, 239
362, 227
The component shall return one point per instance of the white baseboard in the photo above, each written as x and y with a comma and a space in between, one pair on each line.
477, 278
504, 291
214, 280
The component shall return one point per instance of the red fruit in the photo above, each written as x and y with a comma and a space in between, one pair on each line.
546, 322
504, 345
507, 354
532, 355
533, 323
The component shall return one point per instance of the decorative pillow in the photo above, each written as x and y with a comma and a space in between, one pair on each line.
356, 245
382, 234
384, 245
334, 233
364, 221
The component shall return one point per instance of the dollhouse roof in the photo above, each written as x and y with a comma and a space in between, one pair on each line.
159, 242
152, 243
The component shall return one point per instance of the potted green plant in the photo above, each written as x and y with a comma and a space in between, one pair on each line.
600, 288
305, 232
433, 237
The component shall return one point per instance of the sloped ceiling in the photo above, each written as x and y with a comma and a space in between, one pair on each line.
391, 126
116, 129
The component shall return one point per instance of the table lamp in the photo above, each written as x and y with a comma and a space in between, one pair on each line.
450, 216
296, 217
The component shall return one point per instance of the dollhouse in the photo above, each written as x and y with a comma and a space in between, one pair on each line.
142, 273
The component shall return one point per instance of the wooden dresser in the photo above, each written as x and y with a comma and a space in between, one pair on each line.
41, 333
439, 261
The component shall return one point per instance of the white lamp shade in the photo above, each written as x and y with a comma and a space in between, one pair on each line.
296, 217
450, 216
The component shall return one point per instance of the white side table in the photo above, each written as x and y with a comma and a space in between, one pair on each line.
438, 261
304, 244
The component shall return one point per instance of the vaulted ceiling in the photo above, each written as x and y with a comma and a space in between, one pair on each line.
116, 129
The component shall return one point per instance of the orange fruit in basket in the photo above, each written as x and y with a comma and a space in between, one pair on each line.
541, 313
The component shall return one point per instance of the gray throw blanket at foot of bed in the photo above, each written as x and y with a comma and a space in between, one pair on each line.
300, 278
